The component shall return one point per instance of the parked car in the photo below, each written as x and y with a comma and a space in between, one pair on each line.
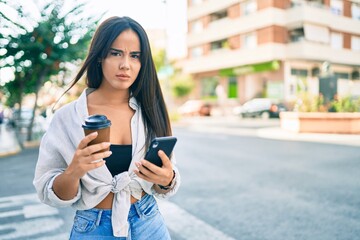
2, 115
23, 120
260, 107
195, 108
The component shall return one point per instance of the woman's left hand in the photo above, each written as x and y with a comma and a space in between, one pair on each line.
152, 173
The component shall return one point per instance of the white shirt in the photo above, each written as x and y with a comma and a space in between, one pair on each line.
56, 152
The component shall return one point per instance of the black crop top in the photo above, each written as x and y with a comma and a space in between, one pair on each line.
120, 159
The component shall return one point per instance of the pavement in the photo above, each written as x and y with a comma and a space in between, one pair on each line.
269, 129
8, 142
232, 125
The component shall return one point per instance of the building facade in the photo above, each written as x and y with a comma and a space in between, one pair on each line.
273, 48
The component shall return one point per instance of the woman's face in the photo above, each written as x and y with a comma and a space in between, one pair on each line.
122, 64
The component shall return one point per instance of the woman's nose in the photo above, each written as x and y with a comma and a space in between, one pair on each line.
124, 64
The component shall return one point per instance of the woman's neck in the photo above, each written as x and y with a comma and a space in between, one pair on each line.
113, 98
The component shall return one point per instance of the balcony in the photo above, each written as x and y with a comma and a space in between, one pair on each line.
290, 18
208, 7
306, 51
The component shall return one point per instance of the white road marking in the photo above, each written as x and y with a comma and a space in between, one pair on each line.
30, 227
39, 210
11, 213
177, 219
187, 225
61, 236
21, 198
29, 206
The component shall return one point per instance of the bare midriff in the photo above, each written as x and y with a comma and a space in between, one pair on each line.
106, 203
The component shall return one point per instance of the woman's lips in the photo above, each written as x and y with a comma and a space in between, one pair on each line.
122, 76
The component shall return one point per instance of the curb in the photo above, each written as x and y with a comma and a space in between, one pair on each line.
10, 152
269, 132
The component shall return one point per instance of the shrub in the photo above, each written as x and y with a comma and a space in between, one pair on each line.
310, 103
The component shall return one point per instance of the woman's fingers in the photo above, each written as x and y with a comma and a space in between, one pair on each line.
152, 173
87, 139
146, 168
97, 156
95, 148
165, 159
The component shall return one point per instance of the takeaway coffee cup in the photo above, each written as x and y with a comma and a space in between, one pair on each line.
98, 123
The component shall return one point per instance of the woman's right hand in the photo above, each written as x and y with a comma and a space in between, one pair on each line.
86, 157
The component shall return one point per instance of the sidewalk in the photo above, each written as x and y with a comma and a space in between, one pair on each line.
232, 125
269, 129
8, 142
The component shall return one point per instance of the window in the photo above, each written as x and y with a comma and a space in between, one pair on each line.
249, 7
355, 43
316, 33
342, 75
299, 72
218, 15
219, 45
336, 7
196, 52
355, 11
208, 86
296, 35
232, 87
250, 40
336, 40
196, 2
196, 26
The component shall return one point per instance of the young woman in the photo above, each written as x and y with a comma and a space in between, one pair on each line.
114, 196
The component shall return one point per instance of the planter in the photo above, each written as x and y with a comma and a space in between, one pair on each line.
321, 122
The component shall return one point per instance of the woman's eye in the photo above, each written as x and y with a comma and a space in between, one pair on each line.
114, 53
136, 56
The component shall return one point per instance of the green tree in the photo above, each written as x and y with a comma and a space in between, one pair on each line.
38, 51
182, 85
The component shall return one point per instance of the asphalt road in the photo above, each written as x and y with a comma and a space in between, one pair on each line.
233, 187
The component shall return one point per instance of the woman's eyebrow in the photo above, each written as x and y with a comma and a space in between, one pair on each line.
121, 51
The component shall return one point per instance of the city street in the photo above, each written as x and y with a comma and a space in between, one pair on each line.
234, 186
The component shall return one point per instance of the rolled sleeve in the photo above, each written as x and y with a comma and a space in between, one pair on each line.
55, 200
174, 187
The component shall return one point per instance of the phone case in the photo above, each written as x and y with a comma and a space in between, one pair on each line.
166, 144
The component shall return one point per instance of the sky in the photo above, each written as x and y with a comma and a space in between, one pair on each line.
168, 15
152, 14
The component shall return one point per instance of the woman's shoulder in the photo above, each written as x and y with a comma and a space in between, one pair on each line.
71, 108
65, 109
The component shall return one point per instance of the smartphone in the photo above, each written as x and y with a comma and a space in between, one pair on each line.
166, 144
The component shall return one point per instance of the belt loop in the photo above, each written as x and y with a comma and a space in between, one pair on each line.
98, 218
138, 210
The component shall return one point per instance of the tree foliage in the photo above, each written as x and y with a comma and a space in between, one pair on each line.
39, 50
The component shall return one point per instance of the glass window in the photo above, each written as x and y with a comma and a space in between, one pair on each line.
208, 86
250, 40
316, 33
218, 15
232, 87
196, 52
249, 7
296, 35
196, 2
336, 7
196, 26
342, 75
355, 11
336, 40
299, 72
355, 43
219, 45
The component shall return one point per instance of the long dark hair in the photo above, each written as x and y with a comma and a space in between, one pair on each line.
146, 88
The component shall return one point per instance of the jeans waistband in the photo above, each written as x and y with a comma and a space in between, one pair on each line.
99, 214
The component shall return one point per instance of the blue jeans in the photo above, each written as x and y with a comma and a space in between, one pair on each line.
145, 221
